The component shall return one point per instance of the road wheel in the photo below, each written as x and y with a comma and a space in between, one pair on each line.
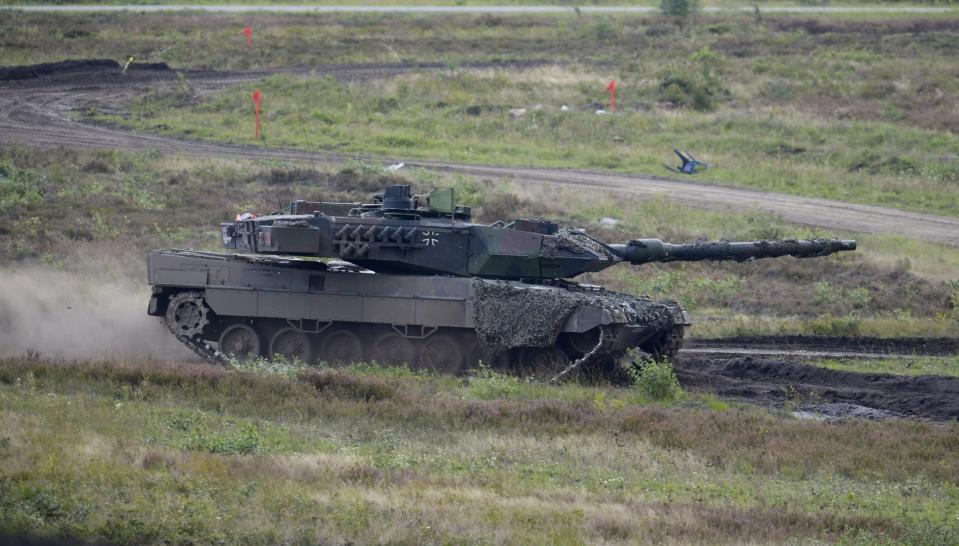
292, 344
392, 349
341, 346
442, 353
240, 341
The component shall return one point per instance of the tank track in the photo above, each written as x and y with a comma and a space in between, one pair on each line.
204, 350
594, 355
188, 328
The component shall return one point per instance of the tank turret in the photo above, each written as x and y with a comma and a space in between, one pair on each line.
403, 233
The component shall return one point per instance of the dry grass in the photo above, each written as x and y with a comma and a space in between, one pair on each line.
108, 450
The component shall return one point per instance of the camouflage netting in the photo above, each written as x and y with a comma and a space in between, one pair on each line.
509, 314
575, 241
292, 224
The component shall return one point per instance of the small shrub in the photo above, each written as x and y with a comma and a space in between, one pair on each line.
681, 9
954, 299
763, 225
278, 365
348, 386
604, 30
41, 503
488, 384
241, 440
19, 188
655, 380
834, 326
687, 91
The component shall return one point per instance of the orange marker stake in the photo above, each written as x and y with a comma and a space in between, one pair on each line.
612, 95
256, 102
248, 31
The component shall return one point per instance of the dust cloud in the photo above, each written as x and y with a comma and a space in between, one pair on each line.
72, 315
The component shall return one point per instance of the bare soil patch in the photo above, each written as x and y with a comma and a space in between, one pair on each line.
770, 381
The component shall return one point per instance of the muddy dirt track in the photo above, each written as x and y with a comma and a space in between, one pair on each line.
819, 391
772, 371
34, 111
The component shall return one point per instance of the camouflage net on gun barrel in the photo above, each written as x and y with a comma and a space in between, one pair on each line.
575, 241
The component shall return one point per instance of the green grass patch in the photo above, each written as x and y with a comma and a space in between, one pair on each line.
717, 323
917, 365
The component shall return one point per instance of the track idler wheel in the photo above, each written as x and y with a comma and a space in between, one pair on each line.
187, 314
666, 346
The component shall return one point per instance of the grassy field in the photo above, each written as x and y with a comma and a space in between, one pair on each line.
842, 109
141, 451
144, 453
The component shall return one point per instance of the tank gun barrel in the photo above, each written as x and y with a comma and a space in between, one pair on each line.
641, 251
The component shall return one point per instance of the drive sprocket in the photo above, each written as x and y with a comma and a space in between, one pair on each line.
187, 314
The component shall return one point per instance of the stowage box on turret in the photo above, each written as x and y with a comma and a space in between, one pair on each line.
409, 279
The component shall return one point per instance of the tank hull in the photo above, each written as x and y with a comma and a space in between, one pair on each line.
266, 305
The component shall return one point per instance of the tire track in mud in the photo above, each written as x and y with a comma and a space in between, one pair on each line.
34, 112
770, 381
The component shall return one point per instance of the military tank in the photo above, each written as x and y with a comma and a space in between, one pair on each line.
407, 279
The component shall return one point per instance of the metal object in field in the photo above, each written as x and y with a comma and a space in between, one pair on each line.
689, 165
410, 279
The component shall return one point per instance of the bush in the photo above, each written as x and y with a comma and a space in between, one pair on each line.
655, 380
679, 8
604, 30
488, 384
241, 440
19, 188
348, 386
835, 326
686, 91
954, 299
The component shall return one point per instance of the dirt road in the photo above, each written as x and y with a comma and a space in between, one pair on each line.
35, 111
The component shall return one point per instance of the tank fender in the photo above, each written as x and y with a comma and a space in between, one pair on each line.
585, 318
154, 309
